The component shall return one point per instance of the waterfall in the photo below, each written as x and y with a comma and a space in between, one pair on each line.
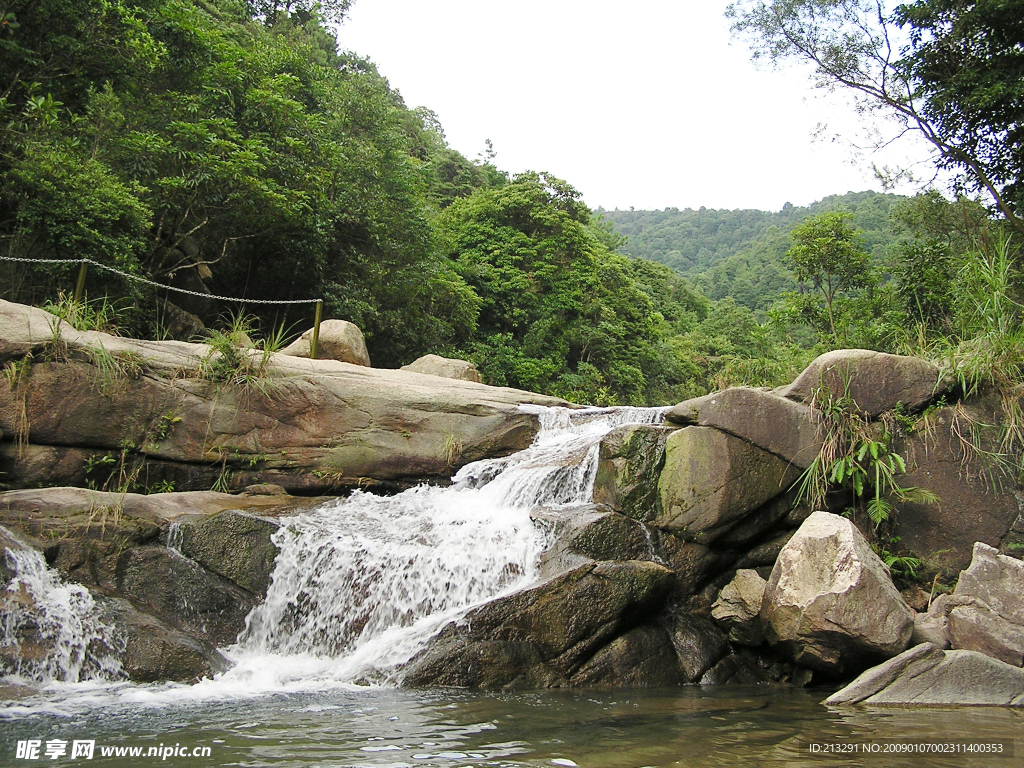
362, 583
50, 630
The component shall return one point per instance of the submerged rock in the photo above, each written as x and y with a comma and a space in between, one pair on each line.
830, 603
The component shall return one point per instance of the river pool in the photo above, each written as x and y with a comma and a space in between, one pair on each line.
355, 727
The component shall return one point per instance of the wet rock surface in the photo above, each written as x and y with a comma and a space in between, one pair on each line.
544, 636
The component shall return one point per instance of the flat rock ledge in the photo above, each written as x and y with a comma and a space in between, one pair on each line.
926, 675
81, 400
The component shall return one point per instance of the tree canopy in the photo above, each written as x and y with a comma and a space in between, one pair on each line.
956, 81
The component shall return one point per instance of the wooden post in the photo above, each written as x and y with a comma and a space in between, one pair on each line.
80, 285
316, 328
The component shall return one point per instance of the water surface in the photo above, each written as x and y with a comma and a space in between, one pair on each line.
396, 728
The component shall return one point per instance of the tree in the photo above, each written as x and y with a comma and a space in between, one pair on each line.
559, 312
826, 252
968, 67
934, 236
922, 86
272, 12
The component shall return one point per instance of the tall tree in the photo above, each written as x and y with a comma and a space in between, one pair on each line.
854, 44
826, 252
967, 64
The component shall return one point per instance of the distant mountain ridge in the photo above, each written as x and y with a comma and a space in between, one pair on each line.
739, 253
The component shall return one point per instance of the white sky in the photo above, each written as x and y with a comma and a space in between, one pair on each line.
645, 104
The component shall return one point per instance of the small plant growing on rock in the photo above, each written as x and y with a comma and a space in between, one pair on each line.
97, 315
15, 371
113, 367
858, 456
902, 563
234, 358
451, 448
165, 425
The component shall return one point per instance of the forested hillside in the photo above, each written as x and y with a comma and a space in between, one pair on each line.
741, 253
230, 149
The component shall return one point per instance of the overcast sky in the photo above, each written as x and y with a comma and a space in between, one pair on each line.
646, 104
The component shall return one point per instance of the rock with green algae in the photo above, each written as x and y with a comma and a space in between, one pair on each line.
630, 460
712, 480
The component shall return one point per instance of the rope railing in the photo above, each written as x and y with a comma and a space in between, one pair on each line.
85, 262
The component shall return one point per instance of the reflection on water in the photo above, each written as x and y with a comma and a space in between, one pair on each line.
721, 726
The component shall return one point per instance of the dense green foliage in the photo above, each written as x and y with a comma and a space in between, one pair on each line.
742, 253
967, 63
228, 147
826, 253
165, 136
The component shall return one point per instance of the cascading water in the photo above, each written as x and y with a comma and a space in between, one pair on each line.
362, 583
50, 630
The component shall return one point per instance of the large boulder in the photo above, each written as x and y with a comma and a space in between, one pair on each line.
629, 463
309, 425
830, 603
692, 563
698, 643
774, 424
167, 613
543, 637
644, 657
738, 607
929, 676
56, 630
976, 502
183, 594
592, 532
988, 616
338, 340
153, 651
446, 367
233, 544
875, 381
87, 534
711, 480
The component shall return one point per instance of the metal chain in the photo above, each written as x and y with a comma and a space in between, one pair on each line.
138, 279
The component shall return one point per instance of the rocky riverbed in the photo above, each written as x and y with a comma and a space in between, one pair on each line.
687, 559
